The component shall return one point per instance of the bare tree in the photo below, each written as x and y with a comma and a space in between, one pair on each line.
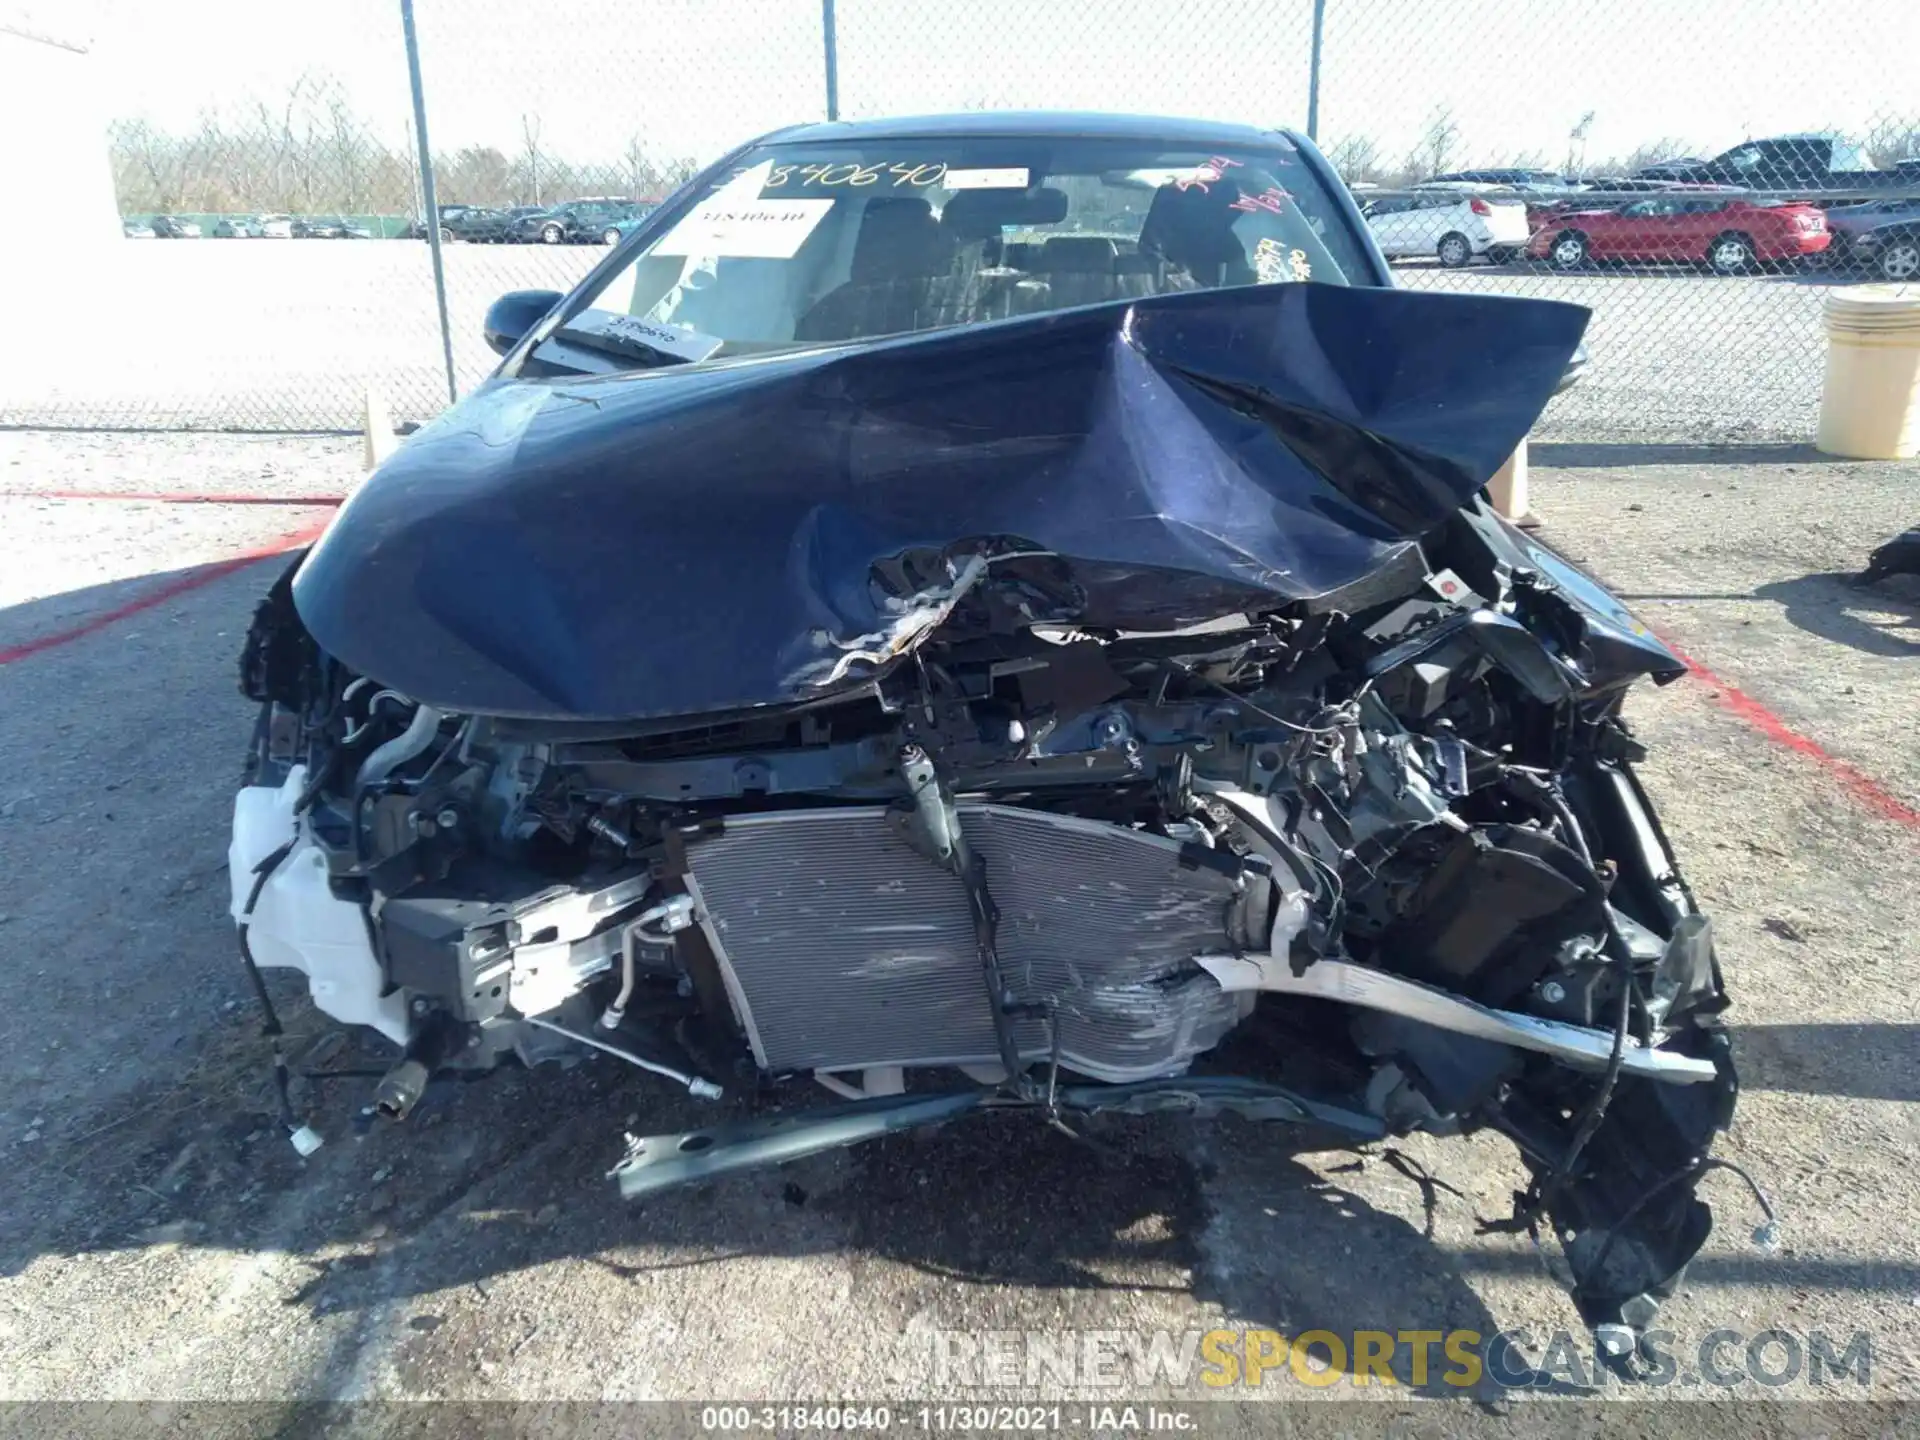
530, 137
643, 177
283, 142
200, 158
1356, 157
349, 153
676, 173
1577, 144
139, 165
310, 151
1433, 153
416, 195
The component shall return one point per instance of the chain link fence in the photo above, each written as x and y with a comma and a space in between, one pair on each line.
1700, 177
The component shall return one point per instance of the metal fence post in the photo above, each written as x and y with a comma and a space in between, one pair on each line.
829, 37
1313, 73
432, 217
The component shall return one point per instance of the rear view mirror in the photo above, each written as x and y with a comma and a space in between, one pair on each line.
515, 313
973, 214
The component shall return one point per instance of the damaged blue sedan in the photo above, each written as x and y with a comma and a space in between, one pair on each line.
999, 612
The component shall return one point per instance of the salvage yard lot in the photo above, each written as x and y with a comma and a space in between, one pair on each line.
162, 1240
288, 337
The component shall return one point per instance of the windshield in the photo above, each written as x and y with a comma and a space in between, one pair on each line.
1848, 157
819, 244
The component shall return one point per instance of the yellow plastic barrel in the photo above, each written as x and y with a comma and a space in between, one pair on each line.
1870, 408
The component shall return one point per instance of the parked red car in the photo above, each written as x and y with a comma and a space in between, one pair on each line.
1612, 193
1731, 235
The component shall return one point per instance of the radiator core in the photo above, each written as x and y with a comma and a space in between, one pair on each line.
844, 948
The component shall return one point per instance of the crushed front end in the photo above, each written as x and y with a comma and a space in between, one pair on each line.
1207, 745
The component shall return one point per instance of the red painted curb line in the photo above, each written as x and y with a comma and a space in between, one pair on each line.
180, 585
1863, 787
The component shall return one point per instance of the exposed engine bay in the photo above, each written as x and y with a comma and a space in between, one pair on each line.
1373, 861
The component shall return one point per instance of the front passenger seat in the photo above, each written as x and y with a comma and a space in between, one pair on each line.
1192, 230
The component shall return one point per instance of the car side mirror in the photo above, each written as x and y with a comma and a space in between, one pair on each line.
515, 313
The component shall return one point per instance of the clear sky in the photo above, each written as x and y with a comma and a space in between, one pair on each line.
692, 76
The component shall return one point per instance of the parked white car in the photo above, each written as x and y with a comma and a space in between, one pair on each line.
1452, 223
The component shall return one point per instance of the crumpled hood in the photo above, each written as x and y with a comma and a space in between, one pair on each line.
701, 538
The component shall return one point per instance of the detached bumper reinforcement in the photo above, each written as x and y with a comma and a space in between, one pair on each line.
659, 1162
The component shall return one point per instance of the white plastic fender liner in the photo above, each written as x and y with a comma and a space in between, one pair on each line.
1353, 984
297, 923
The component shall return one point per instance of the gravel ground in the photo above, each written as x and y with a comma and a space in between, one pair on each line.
160, 1240
274, 336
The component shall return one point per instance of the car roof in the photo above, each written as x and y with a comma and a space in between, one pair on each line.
1464, 187
1031, 124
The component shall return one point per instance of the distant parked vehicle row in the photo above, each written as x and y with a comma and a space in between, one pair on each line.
1865, 236
589, 221
249, 227
254, 227
328, 227
1780, 199
1517, 178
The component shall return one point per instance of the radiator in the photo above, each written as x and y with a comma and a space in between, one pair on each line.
844, 948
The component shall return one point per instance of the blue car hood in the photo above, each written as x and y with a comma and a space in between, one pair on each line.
717, 537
